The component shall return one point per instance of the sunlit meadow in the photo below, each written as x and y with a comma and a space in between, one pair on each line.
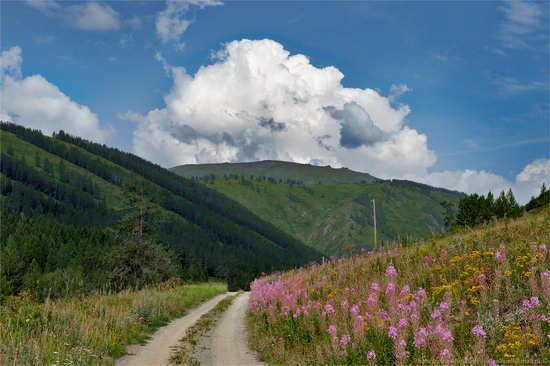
477, 297
91, 330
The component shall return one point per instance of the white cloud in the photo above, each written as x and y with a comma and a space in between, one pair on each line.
34, 102
89, 16
507, 86
522, 24
10, 63
256, 101
173, 21
397, 90
93, 16
526, 184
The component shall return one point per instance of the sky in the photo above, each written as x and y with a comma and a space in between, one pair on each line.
453, 94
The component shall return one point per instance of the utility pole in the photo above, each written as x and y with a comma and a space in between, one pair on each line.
374, 217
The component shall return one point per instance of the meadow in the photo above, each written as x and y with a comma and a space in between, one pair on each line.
91, 330
480, 296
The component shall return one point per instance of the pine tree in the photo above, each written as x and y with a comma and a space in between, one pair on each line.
37, 160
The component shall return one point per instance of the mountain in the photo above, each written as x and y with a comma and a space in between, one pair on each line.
327, 208
278, 170
63, 199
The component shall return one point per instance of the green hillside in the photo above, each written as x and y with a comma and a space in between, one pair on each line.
328, 216
64, 201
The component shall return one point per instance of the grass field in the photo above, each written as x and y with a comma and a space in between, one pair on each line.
91, 330
476, 297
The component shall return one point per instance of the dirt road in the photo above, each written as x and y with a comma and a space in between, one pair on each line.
226, 343
157, 351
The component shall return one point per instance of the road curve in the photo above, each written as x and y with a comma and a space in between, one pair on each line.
229, 345
158, 349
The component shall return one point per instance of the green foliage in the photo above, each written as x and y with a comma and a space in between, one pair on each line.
474, 209
73, 210
542, 200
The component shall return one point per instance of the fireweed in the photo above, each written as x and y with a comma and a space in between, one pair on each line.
466, 299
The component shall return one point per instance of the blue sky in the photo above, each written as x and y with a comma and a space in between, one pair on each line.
477, 73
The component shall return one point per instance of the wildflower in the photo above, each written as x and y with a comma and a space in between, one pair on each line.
345, 339
543, 249
499, 257
404, 291
355, 310
445, 353
402, 323
479, 332
436, 314
421, 294
492, 362
344, 304
420, 338
391, 272
375, 286
329, 309
531, 303
371, 355
392, 332
383, 314
332, 329
390, 289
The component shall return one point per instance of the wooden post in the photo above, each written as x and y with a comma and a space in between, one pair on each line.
374, 217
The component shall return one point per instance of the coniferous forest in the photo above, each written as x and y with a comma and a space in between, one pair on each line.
79, 216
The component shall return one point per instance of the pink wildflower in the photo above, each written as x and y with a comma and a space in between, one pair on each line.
543, 249
402, 323
391, 272
492, 362
329, 309
390, 289
375, 286
371, 355
355, 310
499, 257
345, 339
392, 332
436, 314
445, 353
332, 329
479, 332
383, 314
420, 338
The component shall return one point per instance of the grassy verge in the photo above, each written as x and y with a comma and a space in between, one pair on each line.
92, 329
477, 297
184, 353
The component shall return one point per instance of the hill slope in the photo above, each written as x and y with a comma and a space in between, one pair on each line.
334, 213
62, 199
464, 299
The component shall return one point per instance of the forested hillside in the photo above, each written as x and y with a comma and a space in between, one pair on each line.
329, 209
78, 215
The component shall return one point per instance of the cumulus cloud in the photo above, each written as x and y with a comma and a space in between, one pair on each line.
93, 16
90, 16
526, 184
35, 102
256, 101
173, 21
522, 24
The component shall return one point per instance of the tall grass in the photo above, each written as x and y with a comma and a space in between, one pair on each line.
479, 297
92, 329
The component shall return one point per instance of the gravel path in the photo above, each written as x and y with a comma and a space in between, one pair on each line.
158, 349
226, 343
